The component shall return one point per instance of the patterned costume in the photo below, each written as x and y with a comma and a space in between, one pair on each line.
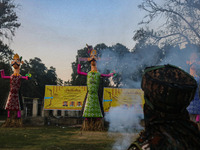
168, 90
194, 107
92, 106
13, 102
92, 110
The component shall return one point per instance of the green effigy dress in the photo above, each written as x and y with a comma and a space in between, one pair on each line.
92, 107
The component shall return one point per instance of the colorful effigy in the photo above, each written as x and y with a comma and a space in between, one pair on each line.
14, 103
92, 110
194, 107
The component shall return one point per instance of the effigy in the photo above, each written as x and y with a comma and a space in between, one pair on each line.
92, 110
168, 91
194, 107
14, 102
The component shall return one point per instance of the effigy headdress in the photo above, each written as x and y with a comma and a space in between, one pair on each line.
16, 56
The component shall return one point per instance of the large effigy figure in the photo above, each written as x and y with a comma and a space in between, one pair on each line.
92, 110
194, 107
14, 103
168, 91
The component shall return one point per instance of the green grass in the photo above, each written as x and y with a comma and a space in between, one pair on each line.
54, 138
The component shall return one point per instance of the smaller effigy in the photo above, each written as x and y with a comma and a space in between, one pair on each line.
92, 110
168, 90
194, 107
14, 103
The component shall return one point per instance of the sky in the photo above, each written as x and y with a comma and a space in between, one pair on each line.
53, 30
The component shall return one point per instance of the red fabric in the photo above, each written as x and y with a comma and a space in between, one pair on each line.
107, 75
13, 98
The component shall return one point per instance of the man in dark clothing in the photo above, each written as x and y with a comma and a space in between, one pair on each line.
168, 91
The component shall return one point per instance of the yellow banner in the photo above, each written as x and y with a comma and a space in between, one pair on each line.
114, 97
64, 97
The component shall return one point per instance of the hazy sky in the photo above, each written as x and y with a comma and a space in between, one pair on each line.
54, 30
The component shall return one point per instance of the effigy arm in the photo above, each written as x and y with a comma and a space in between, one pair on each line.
25, 77
3, 75
79, 70
107, 75
113, 73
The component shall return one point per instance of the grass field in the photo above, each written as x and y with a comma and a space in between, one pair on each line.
54, 138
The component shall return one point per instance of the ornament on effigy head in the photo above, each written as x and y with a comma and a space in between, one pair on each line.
92, 55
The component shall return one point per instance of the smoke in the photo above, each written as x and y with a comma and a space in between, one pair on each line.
126, 122
180, 58
130, 66
121, 64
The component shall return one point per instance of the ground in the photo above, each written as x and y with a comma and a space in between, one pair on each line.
54, 138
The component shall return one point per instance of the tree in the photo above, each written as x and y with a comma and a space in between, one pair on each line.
60, 82
5, 56
180, 21
51, 76
5, 53
122, 67
145, 55
75, 78
8, 18
66, 83
40, 76
4, 84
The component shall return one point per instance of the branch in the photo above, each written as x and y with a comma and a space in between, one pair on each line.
155, 9
176, 13
193, 4
158, 38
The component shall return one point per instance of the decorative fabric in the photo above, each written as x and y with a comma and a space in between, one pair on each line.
92, 106
167, 122
194, 107
13, 97
167, 132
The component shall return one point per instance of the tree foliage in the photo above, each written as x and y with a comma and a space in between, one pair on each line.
40, 76
179, 19
5, 53
8, 18
8, 24
4, 84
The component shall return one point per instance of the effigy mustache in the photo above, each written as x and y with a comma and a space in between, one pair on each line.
16, 64
93, 59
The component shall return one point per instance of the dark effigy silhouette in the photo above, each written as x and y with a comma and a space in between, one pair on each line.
168, 90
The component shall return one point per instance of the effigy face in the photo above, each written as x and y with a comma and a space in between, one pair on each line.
16, 61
